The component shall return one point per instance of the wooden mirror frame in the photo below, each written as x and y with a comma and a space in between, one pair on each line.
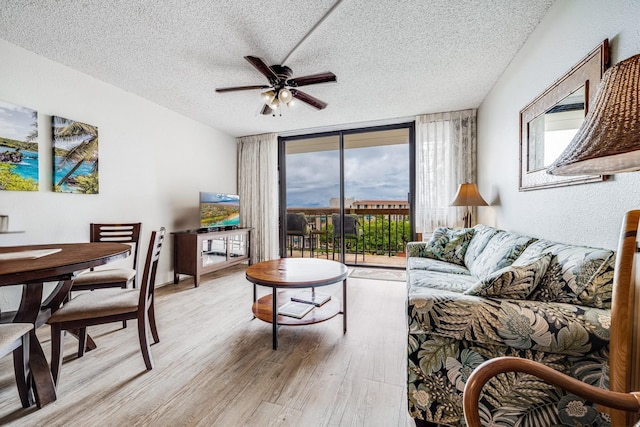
587, 72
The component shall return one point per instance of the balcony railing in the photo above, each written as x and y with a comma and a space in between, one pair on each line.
382, 238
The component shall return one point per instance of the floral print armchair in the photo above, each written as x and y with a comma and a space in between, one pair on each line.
475, 294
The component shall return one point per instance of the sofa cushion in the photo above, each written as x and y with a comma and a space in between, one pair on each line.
514, 281
481, 237
501, 251
548, 326
446, 244
418, 263
439, 280
576, 275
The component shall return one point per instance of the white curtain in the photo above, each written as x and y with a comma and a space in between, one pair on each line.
258, 190
445, 158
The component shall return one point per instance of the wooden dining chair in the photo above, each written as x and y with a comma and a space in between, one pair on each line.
111, 305
111, 277
14, 337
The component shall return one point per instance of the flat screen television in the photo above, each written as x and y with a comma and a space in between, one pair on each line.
219, 210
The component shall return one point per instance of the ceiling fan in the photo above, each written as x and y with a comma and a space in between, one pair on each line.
282, 88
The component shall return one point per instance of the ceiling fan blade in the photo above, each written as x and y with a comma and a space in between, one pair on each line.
262, 66
305, 97
312, 79
232, 89
266, 110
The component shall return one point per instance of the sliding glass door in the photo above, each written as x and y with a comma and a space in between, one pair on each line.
346, 195
310, 172
376, 187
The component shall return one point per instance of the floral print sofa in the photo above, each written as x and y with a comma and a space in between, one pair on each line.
479, 293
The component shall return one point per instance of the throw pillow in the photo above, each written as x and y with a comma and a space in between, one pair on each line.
449, 244
514, 281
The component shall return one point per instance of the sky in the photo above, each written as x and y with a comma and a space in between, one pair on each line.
15, 122
371, 173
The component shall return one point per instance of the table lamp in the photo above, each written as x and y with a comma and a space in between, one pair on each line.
608, 142
468, 195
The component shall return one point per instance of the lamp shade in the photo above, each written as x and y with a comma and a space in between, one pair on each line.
268, 96
468, 195
608, 141
285, 95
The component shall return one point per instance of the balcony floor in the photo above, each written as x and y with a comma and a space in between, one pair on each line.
370, 260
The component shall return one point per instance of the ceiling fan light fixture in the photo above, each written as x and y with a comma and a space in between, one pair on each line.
274, 104
285, 95
268, 96
282, 89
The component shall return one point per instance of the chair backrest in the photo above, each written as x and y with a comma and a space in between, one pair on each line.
148, 282
119, 233
297, 224
351, 225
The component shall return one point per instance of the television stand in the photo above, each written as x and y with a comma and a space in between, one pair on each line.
197, 252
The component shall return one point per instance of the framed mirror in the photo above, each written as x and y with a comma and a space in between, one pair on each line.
548, 124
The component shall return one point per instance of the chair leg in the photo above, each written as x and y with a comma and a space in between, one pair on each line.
152, 324
82, 341
124, 322
144, 342
333, 249
21, 369
311, 243
56, 352
355, 253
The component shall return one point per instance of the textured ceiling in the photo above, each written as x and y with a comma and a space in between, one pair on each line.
392, 58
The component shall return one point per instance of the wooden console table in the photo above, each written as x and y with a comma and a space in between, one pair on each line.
197, 253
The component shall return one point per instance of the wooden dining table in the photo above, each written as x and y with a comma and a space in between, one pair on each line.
33, 265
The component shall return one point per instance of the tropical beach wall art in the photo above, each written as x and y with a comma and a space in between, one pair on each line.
75, 157
18, 148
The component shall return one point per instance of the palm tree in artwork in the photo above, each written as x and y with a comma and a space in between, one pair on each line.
33, 135
85, 151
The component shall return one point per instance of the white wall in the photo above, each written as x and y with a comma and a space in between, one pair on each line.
153, 162
589, 214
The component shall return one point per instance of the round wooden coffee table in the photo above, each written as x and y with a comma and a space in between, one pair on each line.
295, 273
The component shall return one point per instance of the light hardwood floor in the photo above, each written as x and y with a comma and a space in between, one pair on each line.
215, 365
